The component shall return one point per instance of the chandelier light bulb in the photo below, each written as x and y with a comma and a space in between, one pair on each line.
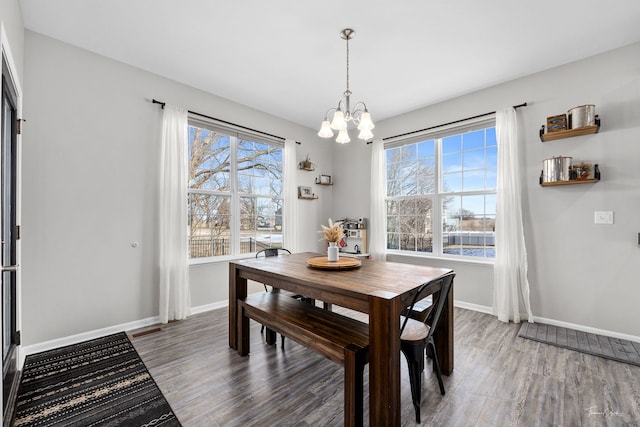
343, 136
365, 134
325, 130
338, 122
365, 121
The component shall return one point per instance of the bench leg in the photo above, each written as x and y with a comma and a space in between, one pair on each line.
243, 335
354, 362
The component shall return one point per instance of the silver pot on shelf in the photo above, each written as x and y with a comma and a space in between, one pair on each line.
556, 169
581, 116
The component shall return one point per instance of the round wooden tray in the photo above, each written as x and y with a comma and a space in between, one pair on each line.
343, 263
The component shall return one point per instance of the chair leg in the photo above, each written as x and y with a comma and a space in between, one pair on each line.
282, 345
415, 356
271, 336
436, 365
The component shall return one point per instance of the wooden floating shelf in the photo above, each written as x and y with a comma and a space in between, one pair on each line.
308, 198
571, 182
568, 133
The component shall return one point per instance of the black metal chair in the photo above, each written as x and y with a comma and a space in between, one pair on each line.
416, 337
269, 252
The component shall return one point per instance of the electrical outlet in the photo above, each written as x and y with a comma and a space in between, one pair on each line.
603, 217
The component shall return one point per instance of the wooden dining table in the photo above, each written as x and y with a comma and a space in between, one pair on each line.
380, 289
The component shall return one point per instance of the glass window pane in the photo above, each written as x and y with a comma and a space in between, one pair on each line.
473, 180
490, 136
474, 159
393, 155
393, 241
473, 140
426, 184
491, 180
393, 188
209, 230
492, 158
407, 242
452, 163
490, 204
452, 144
409, 185
260, 223
451, 182
209, 154
409, 153
426, 148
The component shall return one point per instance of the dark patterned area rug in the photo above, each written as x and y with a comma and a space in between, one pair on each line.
102, 382
584, 342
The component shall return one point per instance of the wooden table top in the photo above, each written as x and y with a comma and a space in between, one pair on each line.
383, 279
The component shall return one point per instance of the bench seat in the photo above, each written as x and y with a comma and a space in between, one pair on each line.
341, 339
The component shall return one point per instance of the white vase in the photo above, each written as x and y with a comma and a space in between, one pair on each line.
332, 251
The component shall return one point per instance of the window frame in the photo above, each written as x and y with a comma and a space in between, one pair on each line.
436, 198
235, 135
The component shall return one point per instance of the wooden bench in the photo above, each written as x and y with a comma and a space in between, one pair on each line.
339, 338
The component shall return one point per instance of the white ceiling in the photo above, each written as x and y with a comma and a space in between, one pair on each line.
286, 57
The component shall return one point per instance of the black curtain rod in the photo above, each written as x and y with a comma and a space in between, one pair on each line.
162, 104
524, 104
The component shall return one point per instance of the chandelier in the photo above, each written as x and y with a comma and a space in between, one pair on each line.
342, 114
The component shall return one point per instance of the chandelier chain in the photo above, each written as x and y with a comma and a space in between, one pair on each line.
347, 64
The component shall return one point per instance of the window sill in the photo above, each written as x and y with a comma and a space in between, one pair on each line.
460, 259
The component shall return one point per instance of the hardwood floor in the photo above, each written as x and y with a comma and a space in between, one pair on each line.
499, 380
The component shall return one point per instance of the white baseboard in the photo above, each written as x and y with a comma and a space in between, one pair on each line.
559, 323
209, 307
473, 307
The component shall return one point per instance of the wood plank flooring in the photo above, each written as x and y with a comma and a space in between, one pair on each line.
499, 380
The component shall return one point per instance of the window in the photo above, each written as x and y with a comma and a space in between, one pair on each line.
441, 192
235, 192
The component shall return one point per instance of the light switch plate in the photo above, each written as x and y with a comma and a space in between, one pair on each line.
603, 217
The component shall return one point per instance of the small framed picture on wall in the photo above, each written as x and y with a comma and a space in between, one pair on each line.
305, 193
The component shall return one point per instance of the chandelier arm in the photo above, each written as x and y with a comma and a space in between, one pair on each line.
356, 110
329, 111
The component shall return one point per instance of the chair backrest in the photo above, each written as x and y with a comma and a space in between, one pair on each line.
439, 288
272, 252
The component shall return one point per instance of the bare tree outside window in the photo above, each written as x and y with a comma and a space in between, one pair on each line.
257, 173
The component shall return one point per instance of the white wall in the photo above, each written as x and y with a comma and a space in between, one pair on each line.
90, 172
580, 273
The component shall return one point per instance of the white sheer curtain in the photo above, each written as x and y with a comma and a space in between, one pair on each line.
377, 222
510, 284
175, 300
290, 189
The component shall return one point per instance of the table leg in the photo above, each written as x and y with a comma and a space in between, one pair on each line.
237, 290
384, 365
